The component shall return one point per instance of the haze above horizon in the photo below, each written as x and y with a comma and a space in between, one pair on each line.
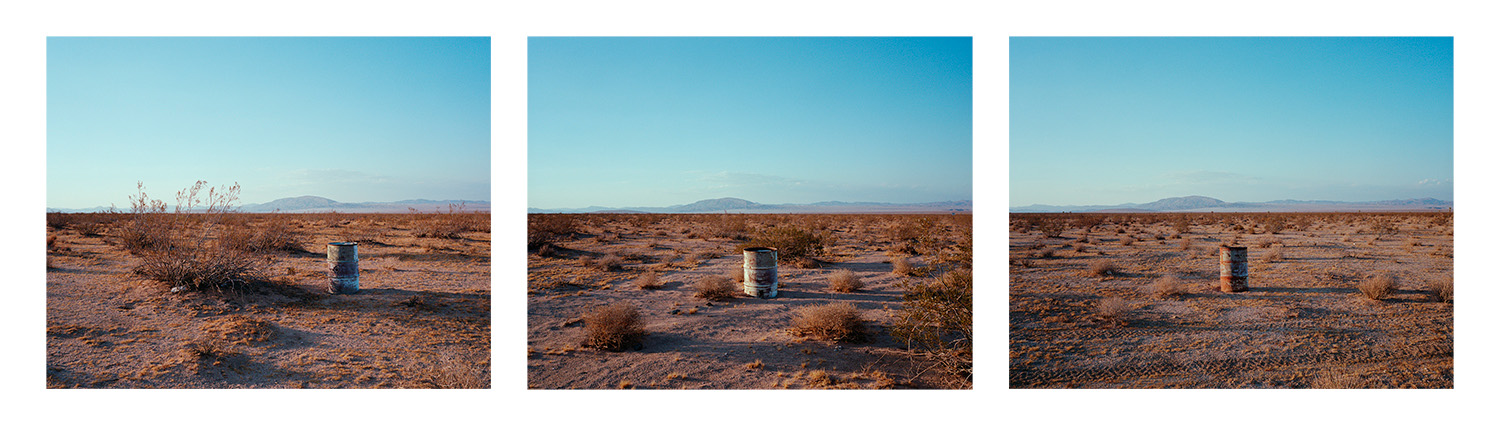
353, 119
654, 122
1103, 121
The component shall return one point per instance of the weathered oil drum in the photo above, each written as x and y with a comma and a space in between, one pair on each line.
343, 267
1234, 269
760, 272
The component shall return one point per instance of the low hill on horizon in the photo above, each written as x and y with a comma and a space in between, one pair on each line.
1208, 204
742, 206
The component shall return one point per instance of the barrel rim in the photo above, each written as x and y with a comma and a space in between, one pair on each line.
344, 243
758, 249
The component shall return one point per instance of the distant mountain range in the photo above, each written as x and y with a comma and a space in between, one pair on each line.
1206, 204
741, 206
317, 204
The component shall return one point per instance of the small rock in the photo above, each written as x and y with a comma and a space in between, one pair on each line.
179, 289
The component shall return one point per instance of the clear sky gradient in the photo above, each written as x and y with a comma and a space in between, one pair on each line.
349, 119
1116, 120
665, 121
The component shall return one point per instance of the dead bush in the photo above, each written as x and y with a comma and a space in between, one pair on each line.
648, 281
789, 242
1127, 241
197, 261
844, 281
1378, 287
1276, 254
1440, 290
901, 266
834, 322
937, 317
1101, 268
614, 327
714, 288
1167, 286
1112, 310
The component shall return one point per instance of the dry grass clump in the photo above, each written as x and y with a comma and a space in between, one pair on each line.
1101, 268
901, 266
714, 288
1167, 286
648, 281
1127, 241
1378, 287
1112, 310
845, 281
609, 262
834, 322
1276, 254
1440, 290
1185, 245
614, 327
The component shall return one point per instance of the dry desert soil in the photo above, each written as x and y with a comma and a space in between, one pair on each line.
578, 263
420, 320
1091, 305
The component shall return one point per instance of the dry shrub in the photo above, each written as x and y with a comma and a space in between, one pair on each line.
609, 262
1276, 254
196, 262
1127, 241
1440, 290
1185, 245
834, 322
1080, 248
901, 266
1112, 309
714, 288
1378, 287
273, 236
1167, 286
937, 317
648, 280
1101, 268
789, 242
614, 327
844, 280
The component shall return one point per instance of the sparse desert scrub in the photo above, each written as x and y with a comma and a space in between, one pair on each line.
273, 235
845, 281
1378, 287
790, 242
613, 327
834, 322
547, 228
714, 288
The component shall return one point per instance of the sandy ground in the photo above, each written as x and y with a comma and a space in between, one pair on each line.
693, 343
1303, 323
421, 319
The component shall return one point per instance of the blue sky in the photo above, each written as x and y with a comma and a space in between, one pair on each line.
665, 121
349, 119
1116, 120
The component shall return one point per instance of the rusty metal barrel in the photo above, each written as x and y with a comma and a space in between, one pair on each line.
343, 267
1234, 269
760, 272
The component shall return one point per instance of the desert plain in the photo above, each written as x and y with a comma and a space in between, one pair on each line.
903, 283
420, 320
1335, 300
